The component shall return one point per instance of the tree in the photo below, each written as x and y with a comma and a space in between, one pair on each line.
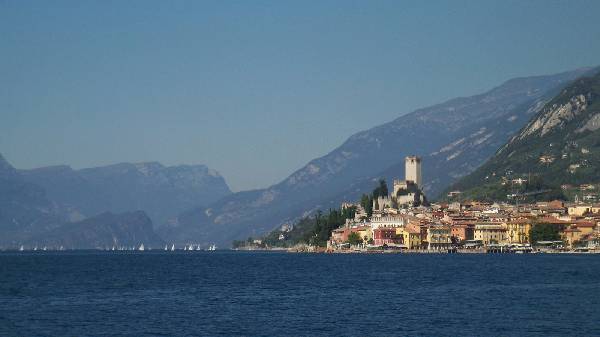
366, 201
381, 190
545, 232
349, 212
238, 244
354, 239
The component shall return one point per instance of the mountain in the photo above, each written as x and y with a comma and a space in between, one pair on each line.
560, 145
162, 192
24, 207
51, 205
453, 138
102, 231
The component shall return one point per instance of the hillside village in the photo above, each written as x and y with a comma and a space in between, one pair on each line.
403, 221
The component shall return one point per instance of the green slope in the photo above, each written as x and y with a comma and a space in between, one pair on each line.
560, 145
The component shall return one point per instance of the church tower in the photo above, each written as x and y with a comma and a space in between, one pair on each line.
412, 166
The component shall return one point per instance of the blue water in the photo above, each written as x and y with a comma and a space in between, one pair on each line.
280, 294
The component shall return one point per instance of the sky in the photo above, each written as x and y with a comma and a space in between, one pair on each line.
256, 89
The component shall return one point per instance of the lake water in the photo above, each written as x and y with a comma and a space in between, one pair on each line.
279, 294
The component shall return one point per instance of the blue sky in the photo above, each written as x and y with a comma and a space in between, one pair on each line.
255, 89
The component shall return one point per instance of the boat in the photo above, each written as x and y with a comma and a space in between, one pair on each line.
21, 248
35, 248
166, 247
212, 247
173, 248
184, 247
141, 247
198, 247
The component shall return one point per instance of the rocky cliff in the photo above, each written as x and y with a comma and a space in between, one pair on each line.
559, 145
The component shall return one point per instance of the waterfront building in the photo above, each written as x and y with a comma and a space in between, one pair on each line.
386, 236
463, 231
490, 233
575, 232
364, 232
340, 235
411, 236
518, 231
438, 236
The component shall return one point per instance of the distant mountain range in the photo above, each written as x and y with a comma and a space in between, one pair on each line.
162, 192
559, 145
59, 204
103, 231
24, 207
453, 138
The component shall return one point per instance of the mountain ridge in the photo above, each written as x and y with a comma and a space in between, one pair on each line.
48, 201
105, 230
365, 155
161, 191
557, 146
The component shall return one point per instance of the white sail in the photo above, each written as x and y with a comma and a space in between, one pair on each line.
141, 247
166, 247
22, 248
173, 247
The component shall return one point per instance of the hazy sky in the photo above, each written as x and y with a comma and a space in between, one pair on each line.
255, 89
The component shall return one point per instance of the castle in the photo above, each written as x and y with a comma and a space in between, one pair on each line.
405, 192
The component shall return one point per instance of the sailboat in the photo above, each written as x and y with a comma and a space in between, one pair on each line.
35, 248
173, 248
166, 247
21, 248
212, 247
141, 247
184, 247
198, 247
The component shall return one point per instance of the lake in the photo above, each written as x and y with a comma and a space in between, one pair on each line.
225, 293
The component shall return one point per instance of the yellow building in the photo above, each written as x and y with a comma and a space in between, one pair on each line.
576, 232
411, 236
365, 233
518, 231
491, 233
579, 210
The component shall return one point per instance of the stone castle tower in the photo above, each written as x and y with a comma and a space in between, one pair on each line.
412, 166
